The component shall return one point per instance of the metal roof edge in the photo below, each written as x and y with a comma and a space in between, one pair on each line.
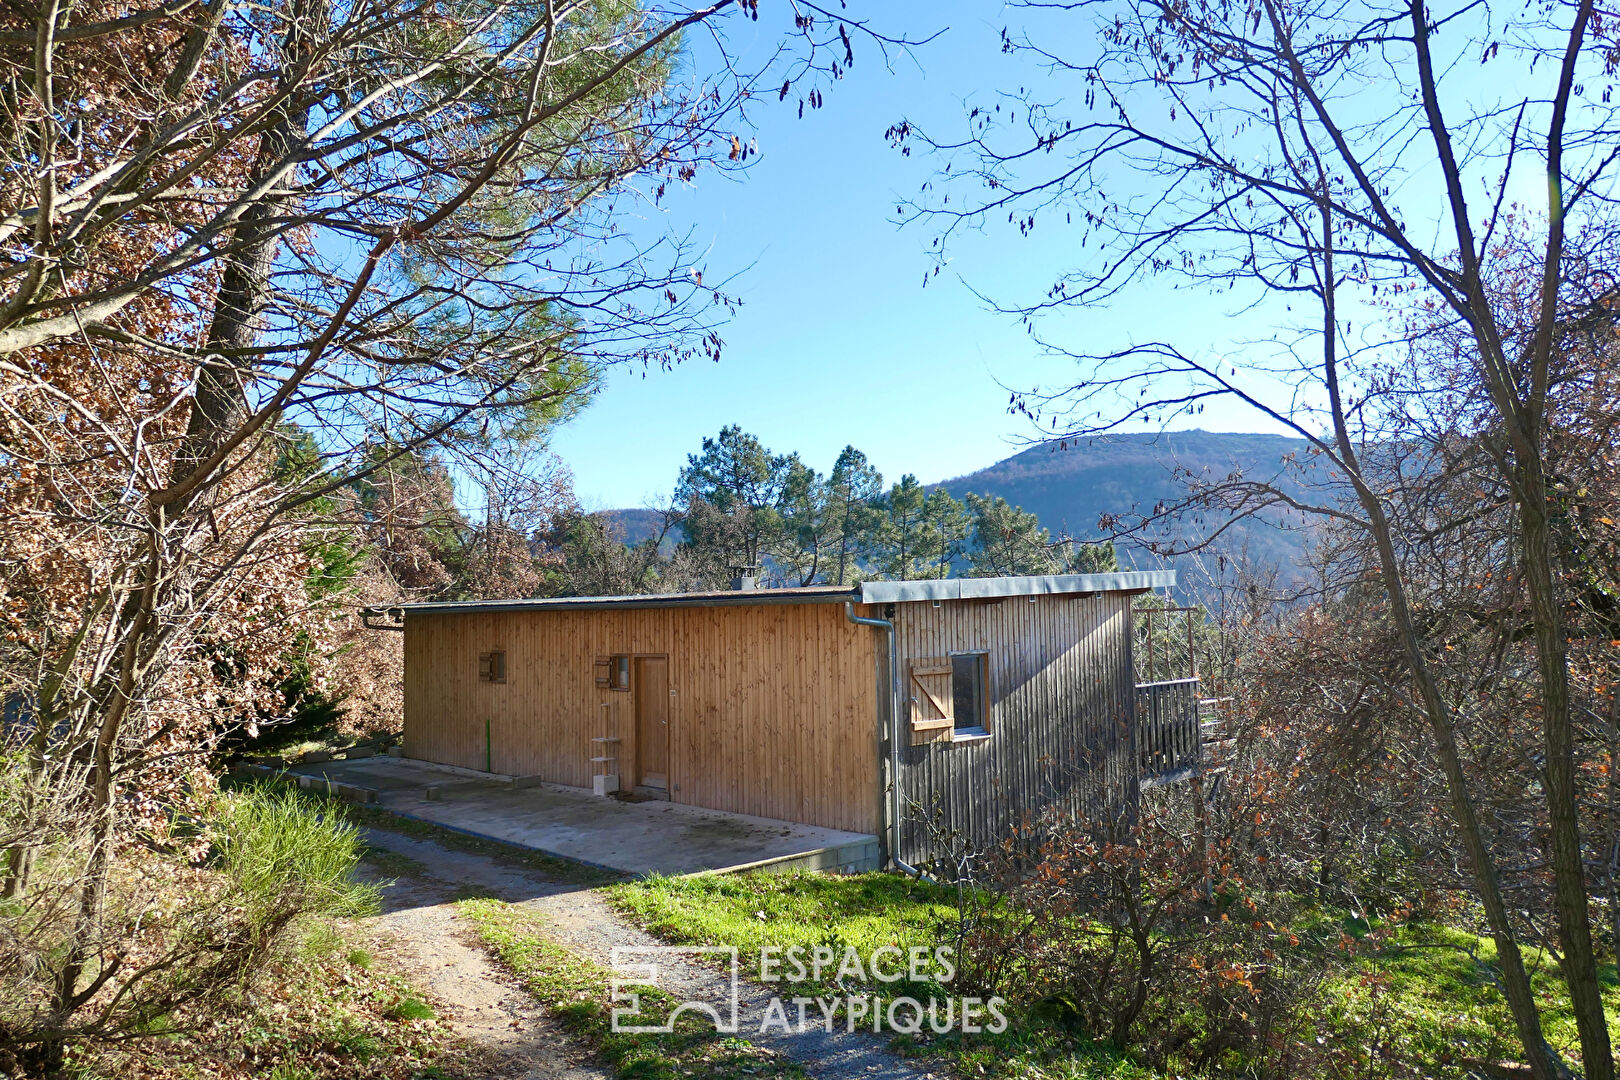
896, 592
622, 603
870, 592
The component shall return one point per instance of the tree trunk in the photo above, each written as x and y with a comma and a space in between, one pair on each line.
1569, 875
1544, 1061
1515, 981
67, 998
220, 403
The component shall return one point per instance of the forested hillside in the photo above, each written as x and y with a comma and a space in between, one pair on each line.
740, 507
1069, 486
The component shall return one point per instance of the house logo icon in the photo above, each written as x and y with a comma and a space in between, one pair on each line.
637, 968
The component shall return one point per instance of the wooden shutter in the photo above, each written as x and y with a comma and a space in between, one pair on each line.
604, 672
932, 702
492, 667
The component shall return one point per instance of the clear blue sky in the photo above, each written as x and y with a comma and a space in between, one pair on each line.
837, 340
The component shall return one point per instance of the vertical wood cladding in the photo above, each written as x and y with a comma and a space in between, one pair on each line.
775, 707
774, 710
1062, 699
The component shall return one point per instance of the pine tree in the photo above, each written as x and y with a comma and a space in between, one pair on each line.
904, 541
854, 492
1007, 539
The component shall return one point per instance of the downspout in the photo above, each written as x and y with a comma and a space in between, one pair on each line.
892, 708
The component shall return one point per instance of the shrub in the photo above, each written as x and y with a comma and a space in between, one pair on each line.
171, 940
1151, 931
287, 859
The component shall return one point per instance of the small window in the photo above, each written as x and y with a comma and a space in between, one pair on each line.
613, 672
968, 699
492, 667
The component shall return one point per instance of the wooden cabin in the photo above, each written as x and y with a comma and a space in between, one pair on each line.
1010, 696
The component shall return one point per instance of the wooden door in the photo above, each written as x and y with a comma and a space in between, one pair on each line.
651, 685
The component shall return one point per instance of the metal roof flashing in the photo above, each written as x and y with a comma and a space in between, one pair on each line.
898, 592
871, 592
814, 594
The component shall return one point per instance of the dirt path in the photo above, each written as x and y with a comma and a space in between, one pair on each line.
581, 920
438, 953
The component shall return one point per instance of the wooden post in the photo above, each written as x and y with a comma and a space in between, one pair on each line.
1152, 662
1202, 833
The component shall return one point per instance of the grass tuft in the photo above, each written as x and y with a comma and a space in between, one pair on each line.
284, 853
410, 1008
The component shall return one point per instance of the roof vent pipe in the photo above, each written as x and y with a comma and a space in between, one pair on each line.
743, 579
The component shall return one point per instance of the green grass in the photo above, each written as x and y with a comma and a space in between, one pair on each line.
865, 912
1417, 1002
409, 1007
285, 1071
1427, 995
752, 911
349, 1036
576, 991
283, 854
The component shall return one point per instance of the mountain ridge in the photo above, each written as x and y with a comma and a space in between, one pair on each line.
1069, 484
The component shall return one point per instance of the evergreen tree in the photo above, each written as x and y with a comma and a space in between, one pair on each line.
904, 542
853, 495
1007, 539
592, 559
1080, 558
808, 538
948, 527
732, 493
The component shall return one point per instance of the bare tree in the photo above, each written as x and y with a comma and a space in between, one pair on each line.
395, 224
1299, 153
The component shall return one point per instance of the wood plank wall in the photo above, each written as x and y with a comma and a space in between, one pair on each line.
1063, 698
774, 711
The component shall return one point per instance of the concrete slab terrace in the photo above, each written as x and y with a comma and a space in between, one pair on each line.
636, 838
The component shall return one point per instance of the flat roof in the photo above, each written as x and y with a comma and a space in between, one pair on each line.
870, 592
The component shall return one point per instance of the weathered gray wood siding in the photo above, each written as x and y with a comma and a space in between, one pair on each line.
1062, 695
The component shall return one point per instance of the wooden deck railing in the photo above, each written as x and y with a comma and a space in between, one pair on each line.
1168, 736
